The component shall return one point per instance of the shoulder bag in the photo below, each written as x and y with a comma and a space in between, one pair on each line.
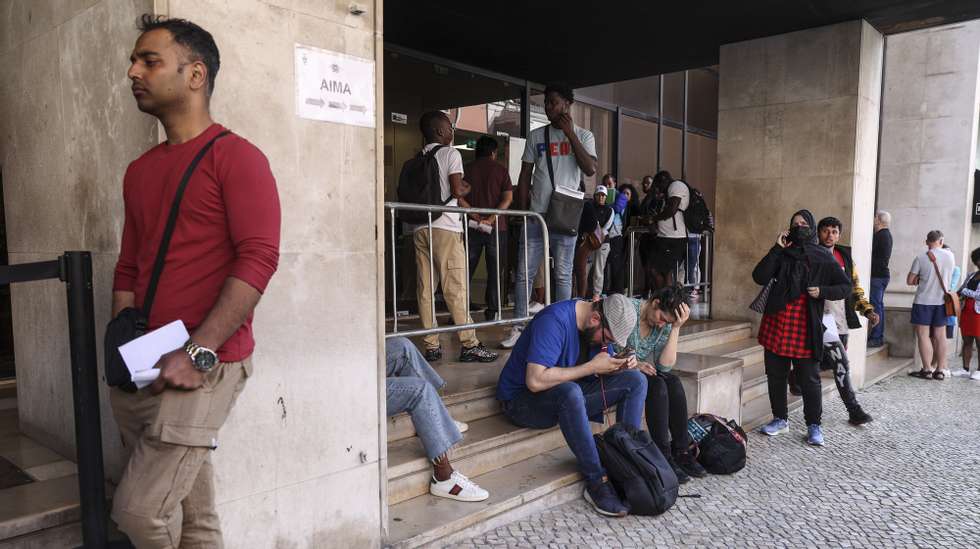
564, 211
131, 322
951, 301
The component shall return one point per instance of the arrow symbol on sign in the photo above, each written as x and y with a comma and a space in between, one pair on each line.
317, 102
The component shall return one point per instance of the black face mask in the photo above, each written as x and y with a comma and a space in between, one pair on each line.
800, 235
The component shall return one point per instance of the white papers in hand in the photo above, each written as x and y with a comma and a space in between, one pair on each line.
142, 353
574, 193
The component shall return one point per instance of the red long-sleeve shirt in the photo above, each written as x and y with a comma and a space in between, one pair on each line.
228, 225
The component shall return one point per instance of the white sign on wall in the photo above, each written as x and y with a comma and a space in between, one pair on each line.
334, 87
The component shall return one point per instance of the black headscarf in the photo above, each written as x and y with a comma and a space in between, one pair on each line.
793, 275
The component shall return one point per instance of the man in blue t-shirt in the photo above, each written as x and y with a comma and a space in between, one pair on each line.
553, 378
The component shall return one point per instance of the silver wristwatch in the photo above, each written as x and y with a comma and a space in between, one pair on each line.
202, 358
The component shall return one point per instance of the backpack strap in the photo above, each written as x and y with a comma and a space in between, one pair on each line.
168, 231
547, 155
432, 155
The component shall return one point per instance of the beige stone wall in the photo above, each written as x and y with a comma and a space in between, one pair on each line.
68, 128
928, 144
798, 126
299, 459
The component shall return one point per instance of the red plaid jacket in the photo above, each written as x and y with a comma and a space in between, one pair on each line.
785, 333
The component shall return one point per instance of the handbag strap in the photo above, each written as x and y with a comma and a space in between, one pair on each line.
168, 231
932, 258
547, 155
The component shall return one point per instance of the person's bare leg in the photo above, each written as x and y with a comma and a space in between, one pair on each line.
925, 346
939, 347
442, 469
968, 342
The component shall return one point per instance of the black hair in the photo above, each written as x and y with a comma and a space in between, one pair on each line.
198, 42
634, 196
830, 222
485, 146
669, 298
975, 256
429, 124
563, 90
934, 236
662, 179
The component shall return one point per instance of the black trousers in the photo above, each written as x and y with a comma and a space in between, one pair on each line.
666, 409
808, 376
480, 241
616, 266
835, 359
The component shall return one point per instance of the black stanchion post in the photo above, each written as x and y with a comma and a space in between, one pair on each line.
76, 272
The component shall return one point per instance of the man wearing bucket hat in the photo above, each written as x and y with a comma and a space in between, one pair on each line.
553, 378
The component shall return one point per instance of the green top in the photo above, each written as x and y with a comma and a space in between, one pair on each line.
648, 348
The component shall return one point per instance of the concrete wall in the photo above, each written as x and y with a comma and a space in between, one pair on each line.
798, 128
929, 143
68, 128
299, 462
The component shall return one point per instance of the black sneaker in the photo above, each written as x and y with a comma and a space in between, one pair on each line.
682, 476
690, 465
433, 355
477, 353
859, 417
604, 499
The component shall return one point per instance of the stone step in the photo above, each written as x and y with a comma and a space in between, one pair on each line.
523, 488
711, 333
490, 444
711, 383
887, 367
748, 349
876, 355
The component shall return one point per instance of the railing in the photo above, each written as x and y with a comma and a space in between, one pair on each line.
75, 270
703, 283
393, 207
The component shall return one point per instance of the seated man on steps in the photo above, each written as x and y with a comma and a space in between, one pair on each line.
550, 380
411, 387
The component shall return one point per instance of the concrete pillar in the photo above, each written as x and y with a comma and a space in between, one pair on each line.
798, 128
928, 145
299, 464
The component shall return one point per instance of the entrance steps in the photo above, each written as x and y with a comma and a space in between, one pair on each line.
526, 470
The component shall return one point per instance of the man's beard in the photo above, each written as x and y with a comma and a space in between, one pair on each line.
590, 333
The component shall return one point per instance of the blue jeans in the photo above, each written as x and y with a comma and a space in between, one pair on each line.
572, 404
480, 241
411, 387
693, 262
562, 249
878, 285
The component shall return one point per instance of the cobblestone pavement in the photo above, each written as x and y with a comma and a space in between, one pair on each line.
911, 478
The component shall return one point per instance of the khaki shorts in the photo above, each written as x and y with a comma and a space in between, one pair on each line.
166, 495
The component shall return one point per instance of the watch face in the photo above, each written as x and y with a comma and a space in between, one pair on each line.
205, 360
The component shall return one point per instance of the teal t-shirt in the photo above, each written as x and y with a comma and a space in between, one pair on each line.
648, 348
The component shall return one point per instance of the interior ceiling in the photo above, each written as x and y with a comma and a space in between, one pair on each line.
592, 42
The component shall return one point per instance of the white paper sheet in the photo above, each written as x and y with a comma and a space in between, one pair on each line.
142, 353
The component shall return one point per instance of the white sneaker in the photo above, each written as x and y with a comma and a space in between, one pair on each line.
959, 372
457, 487
463, 427
975, 376
515, 334
534, 308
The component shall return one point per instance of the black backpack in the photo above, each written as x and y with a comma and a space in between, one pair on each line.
418, 183
721, 443
697, 216
637, 469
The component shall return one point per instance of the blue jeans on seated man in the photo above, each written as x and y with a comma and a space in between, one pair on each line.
572, 404
412, 387
562, 248
877, 334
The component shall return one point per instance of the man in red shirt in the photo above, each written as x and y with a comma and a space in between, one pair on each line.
224, 250
490, 187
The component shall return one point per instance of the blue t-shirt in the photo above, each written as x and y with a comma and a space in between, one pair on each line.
552, 339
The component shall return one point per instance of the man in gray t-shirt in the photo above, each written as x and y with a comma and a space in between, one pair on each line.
928, 310
572, 153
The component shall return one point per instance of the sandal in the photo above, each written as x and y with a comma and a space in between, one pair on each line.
939, 375
922, 374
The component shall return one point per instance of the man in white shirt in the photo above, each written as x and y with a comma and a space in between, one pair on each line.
572, 153
448, 251
928, 309
671, 243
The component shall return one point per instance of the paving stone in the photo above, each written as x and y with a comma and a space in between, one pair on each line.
906, 480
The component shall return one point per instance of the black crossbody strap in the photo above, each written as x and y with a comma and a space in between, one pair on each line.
168, 231
547, 155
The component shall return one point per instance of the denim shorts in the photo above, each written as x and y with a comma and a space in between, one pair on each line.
929, 315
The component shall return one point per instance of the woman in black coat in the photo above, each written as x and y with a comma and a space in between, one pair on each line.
802, 274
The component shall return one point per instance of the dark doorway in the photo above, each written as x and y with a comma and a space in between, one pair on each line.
6, 321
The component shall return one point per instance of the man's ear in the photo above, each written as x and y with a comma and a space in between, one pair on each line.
198, 75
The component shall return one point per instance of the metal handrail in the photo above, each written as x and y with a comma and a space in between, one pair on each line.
705, 282
524, 214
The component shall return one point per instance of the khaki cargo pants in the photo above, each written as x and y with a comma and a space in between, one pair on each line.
449, 262
166, 495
